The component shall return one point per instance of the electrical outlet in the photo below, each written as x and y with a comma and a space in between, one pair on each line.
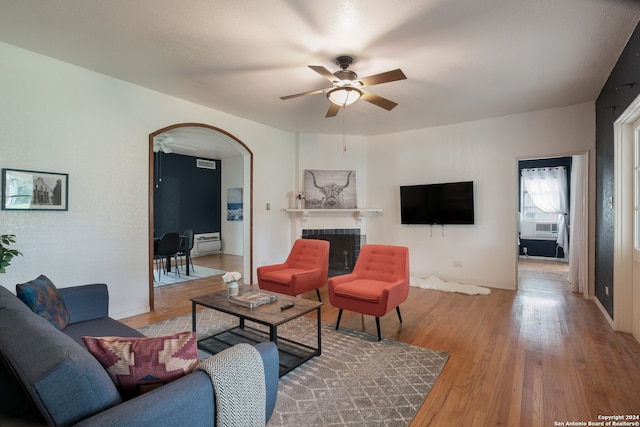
606, 290
457, 264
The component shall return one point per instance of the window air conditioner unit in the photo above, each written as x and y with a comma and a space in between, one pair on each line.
546, 228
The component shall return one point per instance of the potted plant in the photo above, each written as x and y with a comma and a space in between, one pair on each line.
6, 254
300, 200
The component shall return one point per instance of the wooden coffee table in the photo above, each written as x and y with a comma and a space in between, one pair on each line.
292, 353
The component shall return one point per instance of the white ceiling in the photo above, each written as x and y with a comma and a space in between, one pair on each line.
464, 59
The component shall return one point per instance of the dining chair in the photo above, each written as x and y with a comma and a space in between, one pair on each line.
378, 284
168, 246
186, 245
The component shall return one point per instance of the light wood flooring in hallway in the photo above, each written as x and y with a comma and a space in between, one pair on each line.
531, 357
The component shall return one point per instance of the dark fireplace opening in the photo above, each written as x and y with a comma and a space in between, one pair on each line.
344, 247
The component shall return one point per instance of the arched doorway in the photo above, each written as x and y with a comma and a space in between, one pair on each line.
247, 161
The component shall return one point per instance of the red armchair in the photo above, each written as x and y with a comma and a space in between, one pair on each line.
378, 284
306, 268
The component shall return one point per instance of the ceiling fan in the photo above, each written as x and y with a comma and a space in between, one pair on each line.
166, 144
347, 87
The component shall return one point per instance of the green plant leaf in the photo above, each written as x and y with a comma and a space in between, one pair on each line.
6, 254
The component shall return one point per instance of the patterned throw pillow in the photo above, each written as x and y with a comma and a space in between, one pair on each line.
139, 365
43, 299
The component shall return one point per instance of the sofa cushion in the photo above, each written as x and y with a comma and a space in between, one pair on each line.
138, 365
105, 326
42, 297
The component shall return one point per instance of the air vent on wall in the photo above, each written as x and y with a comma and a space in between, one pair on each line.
205, 164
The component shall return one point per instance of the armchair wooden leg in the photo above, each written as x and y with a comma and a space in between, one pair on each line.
339, 317
318, 292
398, 311
378, 326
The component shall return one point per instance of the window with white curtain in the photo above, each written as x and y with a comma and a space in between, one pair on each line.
544, 194
545, 198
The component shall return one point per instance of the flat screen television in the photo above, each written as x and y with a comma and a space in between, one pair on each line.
447, 203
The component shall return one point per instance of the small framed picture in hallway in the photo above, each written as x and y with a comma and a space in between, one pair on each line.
234, 204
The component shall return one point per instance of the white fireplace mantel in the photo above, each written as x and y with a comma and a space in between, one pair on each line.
358, 214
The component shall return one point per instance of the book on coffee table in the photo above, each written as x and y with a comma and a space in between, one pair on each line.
252, 299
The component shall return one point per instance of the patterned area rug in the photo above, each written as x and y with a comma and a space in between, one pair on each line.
357, 381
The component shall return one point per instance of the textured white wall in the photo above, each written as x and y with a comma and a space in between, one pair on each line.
61, 118
485, 152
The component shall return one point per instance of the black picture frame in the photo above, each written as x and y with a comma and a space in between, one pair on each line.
27, 190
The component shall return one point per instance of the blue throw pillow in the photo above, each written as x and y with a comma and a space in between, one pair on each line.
43, 298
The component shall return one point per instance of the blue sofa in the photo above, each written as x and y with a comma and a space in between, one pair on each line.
50, 372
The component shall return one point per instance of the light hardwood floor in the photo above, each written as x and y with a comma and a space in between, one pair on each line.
530, 357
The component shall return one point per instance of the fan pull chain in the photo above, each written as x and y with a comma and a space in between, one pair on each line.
344, 131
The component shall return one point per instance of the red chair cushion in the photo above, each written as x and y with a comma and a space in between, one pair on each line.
366, 290
281, 277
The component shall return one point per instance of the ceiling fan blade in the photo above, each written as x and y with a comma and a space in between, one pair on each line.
333, 110
378, 100
324, 72
389, 76
313, 92
158, 147
184, 147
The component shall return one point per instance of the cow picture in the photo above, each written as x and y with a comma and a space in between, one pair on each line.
329, 189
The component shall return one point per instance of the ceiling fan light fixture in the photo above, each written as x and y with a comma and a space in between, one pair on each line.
344, 96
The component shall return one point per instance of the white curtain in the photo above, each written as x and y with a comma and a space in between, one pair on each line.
547, 188
576, 239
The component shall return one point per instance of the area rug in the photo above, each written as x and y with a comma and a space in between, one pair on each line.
197, 272
357, 381
433, 282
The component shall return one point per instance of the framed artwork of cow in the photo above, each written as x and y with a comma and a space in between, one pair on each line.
330, 189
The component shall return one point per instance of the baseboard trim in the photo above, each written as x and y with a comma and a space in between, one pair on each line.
542, 258
604, 312
124, 315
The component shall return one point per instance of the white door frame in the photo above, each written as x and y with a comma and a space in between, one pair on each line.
623, 307
586, 267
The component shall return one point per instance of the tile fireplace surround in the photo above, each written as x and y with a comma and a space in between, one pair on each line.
345, 244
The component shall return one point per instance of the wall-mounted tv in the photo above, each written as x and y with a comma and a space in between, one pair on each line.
448, 203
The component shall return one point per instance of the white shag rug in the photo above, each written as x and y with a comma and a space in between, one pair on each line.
433, 282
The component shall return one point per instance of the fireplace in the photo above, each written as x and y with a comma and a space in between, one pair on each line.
344, 247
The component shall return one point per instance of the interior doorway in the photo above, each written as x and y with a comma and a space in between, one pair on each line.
541, 246
218, 142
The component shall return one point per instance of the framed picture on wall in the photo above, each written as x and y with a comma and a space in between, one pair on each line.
33, 190
330, 189
234, 204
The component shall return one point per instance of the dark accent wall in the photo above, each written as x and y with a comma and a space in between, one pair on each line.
544, 248
185, 196
622, 87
